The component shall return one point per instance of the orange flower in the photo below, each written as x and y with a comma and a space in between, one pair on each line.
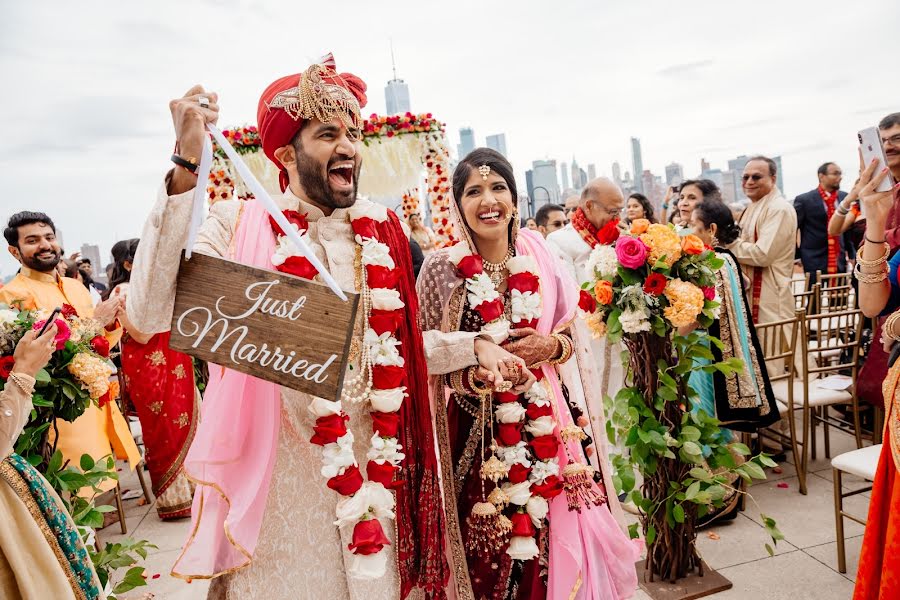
603, 291
691, 244
639, 226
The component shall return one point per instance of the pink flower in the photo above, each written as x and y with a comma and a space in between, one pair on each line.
709, 293
631, 252
63, 333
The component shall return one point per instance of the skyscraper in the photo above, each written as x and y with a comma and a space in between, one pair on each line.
91, 252
592, 172
674, 174
497, 142
564, 175
544, 182
617, 173
529, 183
637, 163
396, 92
779, 181
704, 165
466, 142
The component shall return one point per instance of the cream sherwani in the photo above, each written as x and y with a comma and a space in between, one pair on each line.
573, 251
299, 554
766, 248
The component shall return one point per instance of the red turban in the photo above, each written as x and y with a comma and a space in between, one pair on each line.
280, 113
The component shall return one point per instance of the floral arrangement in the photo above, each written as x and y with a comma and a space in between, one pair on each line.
380, 383
650, 287
78, 371
410, 203
245, 140
224, 182
389, 126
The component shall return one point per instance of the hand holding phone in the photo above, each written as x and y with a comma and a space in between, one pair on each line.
50, 321
871, 149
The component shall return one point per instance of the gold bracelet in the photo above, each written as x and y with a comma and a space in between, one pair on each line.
887, 331
870, 278
27, 388
860, 261
567, 348
478, 389
456, 382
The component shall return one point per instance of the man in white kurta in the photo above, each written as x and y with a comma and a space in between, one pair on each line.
300, 553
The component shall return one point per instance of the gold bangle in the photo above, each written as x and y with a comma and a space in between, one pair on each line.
887, 330
873, 263
27, 388
870, 278
456, 383
478, 389
566, 349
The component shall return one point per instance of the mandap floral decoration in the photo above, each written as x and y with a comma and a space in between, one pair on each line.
409, 204
654, 289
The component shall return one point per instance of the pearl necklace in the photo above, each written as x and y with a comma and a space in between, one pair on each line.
495, 270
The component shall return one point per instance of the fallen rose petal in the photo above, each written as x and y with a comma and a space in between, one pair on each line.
713, 536
778, 470
155, 576
783, 485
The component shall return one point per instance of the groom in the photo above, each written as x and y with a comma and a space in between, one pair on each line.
271, 492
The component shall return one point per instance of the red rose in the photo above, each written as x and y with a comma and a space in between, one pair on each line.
100, 345
294, 217
709, 292
518, 473
609, 233
655, 284
504, 397
524, 282
385, 320
535, 412
368, 538
470, 265
348, 483
545, 447
329, 429
538, 373
104, 399
6, 365
383, 473
297, 266
365, 227
382, 277
586, 302
526, 324
509, 434
387, 377
386, 424
490, 310
522, 525
68, 311
551, 488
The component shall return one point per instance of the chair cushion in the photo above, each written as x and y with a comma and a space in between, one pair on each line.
817, 396
862, 463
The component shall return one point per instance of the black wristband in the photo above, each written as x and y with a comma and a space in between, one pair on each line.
874, 242
183, 162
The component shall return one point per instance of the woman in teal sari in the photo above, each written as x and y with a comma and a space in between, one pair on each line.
41, 554
742, 401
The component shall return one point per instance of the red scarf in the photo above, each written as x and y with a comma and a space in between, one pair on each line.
594, 237
834, 242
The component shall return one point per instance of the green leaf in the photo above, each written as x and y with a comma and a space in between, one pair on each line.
770, 550
87, 462
692, 491
690, 433
700, 473
766, 461
678, 513
55, 462
42, 376
651, 535
754, 470
133, 578
740, 448
692, 449
633, 531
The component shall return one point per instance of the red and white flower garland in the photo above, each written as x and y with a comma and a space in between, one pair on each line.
533, 476
380, 381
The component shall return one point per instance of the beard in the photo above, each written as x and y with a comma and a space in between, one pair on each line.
313, 177
41, 265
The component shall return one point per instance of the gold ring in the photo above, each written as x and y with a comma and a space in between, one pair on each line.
505, 386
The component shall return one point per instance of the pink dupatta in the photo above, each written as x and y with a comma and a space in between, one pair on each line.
233, 453
590, 555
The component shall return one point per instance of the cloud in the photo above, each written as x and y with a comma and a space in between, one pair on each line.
685, 69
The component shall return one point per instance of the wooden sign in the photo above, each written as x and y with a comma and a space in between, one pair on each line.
277, 327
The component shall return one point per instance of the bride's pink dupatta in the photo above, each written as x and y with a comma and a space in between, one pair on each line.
590, 556
233, 453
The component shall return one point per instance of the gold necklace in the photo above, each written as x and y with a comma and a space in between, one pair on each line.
495, 270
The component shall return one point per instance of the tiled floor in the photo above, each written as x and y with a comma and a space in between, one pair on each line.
804, 565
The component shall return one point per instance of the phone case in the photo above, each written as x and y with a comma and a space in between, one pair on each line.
870, 144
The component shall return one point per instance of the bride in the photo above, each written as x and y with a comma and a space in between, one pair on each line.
530, 505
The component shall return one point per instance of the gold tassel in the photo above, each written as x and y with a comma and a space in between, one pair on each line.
488, 529
494, 469
577, 480
498, 498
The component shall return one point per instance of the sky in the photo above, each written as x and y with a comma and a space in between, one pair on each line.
86, 85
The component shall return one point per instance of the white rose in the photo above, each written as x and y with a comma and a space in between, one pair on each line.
521, 264
522, 548
510, 412
518, 493
538, 395
542, 469
384, 299
497, 330
367, 567
387, 401
319, 407
481, 289
512, 455
602, 261
541, 426
383, 349
371, 497
458, 252
285, 248
525, 307
537, 508
634, 321
338, 456
376, 253
7, 316
376, 212
384, 450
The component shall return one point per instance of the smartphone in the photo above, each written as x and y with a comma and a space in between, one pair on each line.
50, 319
870, 145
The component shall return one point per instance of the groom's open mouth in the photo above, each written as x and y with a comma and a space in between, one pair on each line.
340, 175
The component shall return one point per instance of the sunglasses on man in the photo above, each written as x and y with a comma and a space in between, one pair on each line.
754, 177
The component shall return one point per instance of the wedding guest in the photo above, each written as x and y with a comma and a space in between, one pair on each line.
549, 218
638, 207
423, 236
819, 249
